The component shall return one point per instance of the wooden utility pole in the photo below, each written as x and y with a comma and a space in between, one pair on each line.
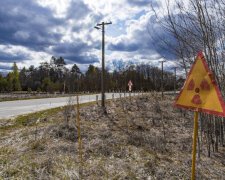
103, 61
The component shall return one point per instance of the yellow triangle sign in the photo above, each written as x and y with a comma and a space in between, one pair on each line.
200, 91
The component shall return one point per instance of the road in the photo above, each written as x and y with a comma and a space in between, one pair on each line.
13, 108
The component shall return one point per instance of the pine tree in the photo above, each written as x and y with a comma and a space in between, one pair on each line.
15, 78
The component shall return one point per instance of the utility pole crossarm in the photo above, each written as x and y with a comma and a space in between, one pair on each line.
97, 27
104, 23
108, 23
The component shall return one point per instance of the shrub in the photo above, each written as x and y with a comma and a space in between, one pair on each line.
29, 90
38, 90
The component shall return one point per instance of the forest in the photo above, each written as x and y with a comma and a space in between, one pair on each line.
56, 77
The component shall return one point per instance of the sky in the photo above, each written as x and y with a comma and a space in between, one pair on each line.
32, 31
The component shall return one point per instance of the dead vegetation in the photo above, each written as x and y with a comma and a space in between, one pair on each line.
139, 138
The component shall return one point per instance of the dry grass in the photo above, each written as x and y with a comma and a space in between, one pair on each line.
141, 138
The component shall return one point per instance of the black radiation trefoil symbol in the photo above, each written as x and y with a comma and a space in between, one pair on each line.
204, 86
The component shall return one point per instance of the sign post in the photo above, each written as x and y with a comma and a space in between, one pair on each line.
194, 145
200, 93
79, 138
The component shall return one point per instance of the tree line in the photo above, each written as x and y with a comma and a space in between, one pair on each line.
56, 77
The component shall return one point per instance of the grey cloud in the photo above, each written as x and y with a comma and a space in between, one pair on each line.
77, 10
8, 57
81, 59
146, 41
146, 3
3, 68
123, 46
27, 24
75, 52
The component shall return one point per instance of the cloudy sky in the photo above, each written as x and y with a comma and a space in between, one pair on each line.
32, 31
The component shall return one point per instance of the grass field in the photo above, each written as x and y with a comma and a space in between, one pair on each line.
139, 138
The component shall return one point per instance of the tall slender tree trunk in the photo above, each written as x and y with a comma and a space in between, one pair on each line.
221, 131
208, 137
216, 133
198, 145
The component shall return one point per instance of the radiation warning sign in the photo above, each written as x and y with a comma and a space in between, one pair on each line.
200, 91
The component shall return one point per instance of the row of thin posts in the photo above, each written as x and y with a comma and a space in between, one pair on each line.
120, 96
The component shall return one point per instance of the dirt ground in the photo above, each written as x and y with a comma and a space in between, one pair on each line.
139, 138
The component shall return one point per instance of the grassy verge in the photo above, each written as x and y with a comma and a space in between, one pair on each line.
28, 119
131, 141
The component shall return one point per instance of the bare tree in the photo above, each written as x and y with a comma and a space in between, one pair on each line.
200, 25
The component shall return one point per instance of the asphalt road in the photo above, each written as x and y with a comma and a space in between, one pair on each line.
13, 108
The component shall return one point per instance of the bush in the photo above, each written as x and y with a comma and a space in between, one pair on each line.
38, 90
29, 90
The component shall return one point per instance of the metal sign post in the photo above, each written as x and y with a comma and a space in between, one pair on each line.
194, 146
